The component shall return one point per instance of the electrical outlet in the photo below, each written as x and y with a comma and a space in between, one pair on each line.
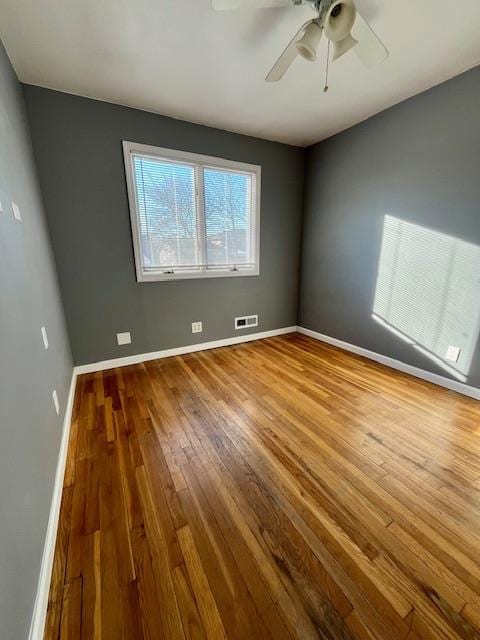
453, 353
1, 207
124, 338
197, 327
16, 212
55, 401
44, 337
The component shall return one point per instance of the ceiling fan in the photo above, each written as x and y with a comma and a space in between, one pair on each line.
336, 18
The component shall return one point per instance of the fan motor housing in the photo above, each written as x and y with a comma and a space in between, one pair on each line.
320, 6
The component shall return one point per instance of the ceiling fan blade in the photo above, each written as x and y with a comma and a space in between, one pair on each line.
370, 49
289, 54
232, 5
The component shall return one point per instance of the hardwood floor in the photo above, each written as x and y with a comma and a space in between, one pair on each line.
275, 489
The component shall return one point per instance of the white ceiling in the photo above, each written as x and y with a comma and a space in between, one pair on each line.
180, 58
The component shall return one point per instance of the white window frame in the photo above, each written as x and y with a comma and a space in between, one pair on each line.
196, 160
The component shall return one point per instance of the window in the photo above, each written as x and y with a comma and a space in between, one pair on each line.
192, 216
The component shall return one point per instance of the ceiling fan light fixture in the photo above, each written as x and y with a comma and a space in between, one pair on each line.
342, 46
338, 24
336, 18
308, 43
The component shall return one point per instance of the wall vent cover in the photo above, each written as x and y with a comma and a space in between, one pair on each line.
246, 321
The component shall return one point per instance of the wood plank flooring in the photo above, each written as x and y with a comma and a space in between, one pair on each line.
276, 489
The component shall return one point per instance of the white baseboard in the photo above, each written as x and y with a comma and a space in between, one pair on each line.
178, 351
37, 625
435, 378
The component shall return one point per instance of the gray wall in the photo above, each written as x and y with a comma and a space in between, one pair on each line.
77, 144
418, 161
30, 430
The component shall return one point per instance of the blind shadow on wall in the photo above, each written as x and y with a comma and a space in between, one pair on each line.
428, 293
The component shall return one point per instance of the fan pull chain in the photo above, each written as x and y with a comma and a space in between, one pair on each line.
325, 88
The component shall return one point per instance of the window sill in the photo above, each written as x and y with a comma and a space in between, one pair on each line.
194, 275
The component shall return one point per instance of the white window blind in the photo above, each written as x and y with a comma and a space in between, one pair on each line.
192, 216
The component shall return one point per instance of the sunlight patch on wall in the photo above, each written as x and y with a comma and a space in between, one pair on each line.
428, 292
